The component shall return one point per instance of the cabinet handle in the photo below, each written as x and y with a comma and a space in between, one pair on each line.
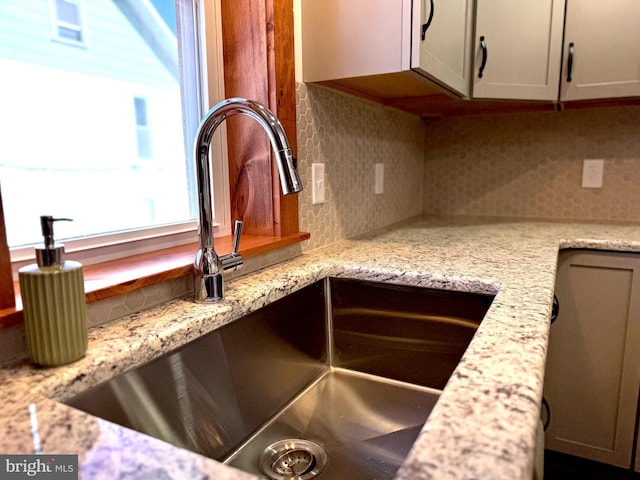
545, 414
483, 46
425, 26
555, 310
570, 62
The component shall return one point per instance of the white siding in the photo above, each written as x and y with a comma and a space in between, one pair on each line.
113, 47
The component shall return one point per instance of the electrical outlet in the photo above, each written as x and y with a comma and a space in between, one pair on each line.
317, 183
379, 178
592, 172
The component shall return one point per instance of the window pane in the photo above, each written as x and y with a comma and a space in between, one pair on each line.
69, 33
74, 143
144, 142
140, 104
68, 12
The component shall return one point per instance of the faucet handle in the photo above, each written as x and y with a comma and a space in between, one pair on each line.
233, 260
236, 237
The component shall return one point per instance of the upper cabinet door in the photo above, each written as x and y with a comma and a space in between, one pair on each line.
442, 37
602, 50
518, 48
354, 38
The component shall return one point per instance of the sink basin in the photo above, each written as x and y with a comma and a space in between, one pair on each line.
335, 380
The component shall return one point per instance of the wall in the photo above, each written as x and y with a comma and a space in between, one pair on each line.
350, 136
530, 165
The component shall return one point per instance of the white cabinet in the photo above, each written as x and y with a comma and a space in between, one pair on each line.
518, 49
442, 48
601, 50
355, 38
380, 43
399, 50
593, 363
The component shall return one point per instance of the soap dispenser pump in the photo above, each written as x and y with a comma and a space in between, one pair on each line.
54, 304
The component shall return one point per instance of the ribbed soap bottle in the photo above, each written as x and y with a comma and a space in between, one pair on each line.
54, 304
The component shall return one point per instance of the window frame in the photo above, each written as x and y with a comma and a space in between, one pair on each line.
57, 24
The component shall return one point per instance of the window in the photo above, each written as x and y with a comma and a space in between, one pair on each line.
104, 134
143, 134
67, 21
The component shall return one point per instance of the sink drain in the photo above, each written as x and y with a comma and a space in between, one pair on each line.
293, 459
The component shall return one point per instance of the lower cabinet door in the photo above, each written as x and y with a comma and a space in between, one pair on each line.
593, 364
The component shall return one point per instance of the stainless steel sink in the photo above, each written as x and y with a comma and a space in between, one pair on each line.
333, 381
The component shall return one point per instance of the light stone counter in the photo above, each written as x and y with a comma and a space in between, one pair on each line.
483, 426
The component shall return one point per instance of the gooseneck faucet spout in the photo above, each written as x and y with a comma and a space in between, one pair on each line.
208, 265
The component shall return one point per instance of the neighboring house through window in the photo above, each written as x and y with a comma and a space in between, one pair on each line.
73, 139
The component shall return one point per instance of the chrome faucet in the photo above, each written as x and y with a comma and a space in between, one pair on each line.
208, 265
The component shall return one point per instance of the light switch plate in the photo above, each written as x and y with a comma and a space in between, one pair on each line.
592, 172
317, 181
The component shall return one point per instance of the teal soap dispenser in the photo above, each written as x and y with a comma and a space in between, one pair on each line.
54, 303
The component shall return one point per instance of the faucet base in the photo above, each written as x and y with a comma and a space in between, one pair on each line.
208, 288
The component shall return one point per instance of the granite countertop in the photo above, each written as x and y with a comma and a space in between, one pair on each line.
484, 424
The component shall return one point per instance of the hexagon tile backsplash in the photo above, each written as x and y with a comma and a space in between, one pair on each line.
350, 136
529, 165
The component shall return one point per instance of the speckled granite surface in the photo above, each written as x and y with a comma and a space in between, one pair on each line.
484, 424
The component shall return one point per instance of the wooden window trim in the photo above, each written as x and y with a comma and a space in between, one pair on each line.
258, 48
7, 295
258, 57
